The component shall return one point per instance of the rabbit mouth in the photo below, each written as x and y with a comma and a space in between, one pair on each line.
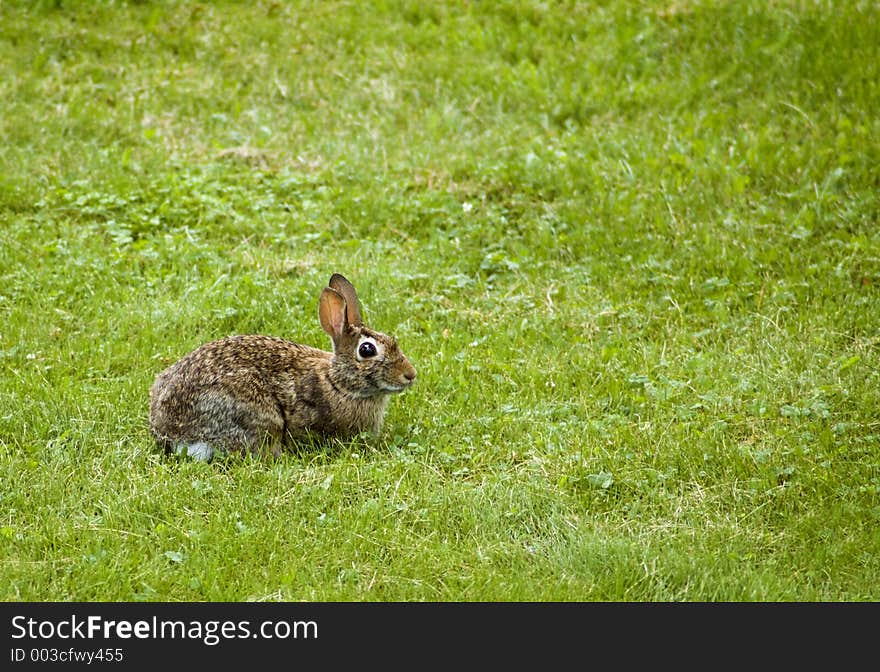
394, 388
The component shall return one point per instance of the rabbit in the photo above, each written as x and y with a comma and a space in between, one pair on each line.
243, 393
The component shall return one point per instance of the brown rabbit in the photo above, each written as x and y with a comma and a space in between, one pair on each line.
244, 392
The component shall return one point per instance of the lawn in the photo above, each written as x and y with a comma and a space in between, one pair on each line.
632, 250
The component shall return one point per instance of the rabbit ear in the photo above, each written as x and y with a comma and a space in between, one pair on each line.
353, 306
331, 311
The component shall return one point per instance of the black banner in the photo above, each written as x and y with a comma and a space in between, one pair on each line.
132, 635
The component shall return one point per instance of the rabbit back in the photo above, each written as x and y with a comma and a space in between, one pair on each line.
237, 393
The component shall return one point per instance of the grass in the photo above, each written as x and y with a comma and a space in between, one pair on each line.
631, 248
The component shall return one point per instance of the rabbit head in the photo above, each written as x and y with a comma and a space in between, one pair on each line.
365, 363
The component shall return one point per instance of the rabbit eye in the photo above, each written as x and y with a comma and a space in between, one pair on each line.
367, 349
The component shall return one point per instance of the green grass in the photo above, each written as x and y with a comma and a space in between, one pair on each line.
632, 249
